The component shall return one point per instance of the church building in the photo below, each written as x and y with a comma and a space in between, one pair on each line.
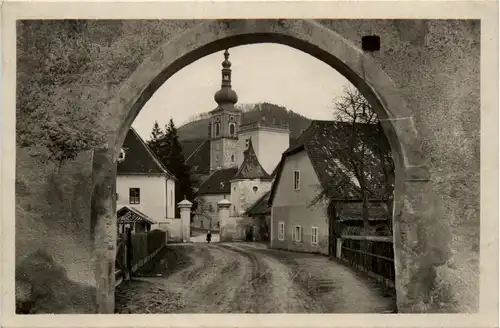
238, 160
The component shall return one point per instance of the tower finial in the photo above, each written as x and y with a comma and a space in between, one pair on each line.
226, 95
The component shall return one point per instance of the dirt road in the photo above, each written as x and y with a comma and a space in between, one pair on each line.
248, 278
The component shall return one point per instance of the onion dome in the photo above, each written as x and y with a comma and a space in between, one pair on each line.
226, 95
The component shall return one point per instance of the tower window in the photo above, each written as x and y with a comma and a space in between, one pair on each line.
217, 129
232, 158
232, 129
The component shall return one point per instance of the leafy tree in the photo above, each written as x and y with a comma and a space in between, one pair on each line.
361, 148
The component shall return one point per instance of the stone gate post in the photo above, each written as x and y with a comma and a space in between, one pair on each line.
223, 209
185, 208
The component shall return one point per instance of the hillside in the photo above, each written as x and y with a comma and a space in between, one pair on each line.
198, 129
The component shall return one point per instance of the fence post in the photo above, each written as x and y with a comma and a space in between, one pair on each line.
339, 248
128, 256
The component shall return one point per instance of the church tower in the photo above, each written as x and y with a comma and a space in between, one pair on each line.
224, 123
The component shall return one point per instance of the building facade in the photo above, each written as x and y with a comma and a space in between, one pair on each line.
143, 183
321, 164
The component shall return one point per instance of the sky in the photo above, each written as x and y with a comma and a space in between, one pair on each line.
267, 72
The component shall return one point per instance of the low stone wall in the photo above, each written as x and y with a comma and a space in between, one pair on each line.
173, 227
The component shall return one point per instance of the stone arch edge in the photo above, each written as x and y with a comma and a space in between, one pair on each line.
214, 35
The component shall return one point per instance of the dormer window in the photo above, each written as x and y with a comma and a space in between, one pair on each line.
121, 156
222, 184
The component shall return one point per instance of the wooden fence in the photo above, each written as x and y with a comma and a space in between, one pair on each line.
373, 255
136, 249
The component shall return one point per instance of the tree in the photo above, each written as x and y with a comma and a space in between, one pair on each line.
168, 149
366, 151
156, 136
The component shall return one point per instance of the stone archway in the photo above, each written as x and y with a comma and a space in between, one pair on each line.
421, 241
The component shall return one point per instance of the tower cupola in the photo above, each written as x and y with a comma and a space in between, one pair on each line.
226, 95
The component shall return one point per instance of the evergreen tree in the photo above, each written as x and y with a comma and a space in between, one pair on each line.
156, 136
169, 151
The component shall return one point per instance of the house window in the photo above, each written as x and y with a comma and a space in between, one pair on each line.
171, 198
210, 208
232, 129
296, 180
314, 235
281, 231
297, 234
134, 196
255, 188
232, 158
117, 196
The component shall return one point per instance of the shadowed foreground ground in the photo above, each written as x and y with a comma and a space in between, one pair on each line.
248, 278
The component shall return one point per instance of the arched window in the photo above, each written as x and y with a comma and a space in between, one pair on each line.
217, 129
232, 129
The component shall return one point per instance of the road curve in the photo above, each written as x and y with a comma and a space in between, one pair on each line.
248, 278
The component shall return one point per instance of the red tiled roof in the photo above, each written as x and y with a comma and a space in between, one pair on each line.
139, 158
327, 146
218, 182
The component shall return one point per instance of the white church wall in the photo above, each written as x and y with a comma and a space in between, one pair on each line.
268, 145
245, 193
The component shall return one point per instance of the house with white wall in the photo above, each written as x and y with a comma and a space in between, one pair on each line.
143, 183
319, 160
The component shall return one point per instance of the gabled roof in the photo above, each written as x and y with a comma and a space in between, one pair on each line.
129, 214
199, 159
218, 182
327, 146
139, 158
261, 206
251, 168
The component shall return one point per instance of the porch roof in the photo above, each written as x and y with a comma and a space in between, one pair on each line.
129, 214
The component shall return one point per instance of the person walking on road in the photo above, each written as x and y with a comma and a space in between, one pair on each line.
209, 237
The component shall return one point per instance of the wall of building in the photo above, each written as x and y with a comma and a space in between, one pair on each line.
234, 228
292, 207
243, 195
213, 200
171, 201
268, 145
153, 198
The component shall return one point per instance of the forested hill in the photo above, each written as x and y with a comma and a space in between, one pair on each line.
198, 128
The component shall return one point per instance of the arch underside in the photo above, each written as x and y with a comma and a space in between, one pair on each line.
324, 44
